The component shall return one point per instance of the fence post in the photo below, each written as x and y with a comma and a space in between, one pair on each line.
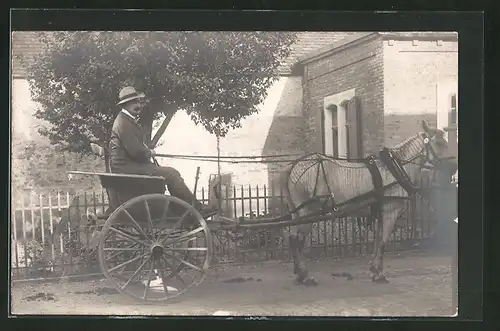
51, 229
16, 250
42, 225
23, 218
454, 269
61, 241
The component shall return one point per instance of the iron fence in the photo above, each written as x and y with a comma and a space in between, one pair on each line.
50, 239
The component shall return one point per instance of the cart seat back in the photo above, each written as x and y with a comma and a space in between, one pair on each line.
124, 187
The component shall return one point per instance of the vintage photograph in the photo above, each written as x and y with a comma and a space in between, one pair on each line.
234, 173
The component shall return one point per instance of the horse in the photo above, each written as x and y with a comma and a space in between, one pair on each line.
317, 183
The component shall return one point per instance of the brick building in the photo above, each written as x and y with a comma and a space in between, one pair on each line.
366, 91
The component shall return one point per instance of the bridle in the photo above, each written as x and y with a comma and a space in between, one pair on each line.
428, 159
426, 162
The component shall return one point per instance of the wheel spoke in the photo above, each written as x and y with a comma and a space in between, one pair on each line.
179, 222
128, 262
174, 272
149, 281
136, 224
164, 281
148, 214
118, 253
165, 211
183, 237
163, 218
187, 248
185, 262
125, 249
127, 236
136, 272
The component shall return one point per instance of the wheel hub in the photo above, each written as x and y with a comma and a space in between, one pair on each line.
156, 251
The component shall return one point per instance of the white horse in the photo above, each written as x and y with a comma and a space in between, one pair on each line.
318, 183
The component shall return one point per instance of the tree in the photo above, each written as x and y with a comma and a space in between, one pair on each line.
218, 78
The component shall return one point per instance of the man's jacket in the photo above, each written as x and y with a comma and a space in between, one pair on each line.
128, 153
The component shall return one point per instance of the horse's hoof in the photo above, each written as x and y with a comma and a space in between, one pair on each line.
310, 281
380, 280
299, 280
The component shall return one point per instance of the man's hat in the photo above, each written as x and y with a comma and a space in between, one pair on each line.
127, 94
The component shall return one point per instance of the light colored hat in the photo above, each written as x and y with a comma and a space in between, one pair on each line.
127, 94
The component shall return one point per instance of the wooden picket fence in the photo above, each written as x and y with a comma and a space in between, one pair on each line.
49, 237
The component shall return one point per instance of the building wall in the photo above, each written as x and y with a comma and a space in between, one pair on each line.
286, 134
358, 67
417, 79
36, 164
23, 109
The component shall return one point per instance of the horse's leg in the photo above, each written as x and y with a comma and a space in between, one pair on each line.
385, 226
298, 236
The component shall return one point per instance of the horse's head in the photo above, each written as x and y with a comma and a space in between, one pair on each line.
437, 155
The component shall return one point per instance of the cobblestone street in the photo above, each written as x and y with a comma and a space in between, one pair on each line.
419, 285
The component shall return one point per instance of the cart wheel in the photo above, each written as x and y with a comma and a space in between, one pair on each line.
155, 247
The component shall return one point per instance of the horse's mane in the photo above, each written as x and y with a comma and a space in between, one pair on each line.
409, 147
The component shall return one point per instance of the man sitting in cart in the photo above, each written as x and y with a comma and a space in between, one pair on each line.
130, 155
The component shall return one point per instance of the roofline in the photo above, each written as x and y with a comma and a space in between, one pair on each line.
421, 35
336, 47
357, 39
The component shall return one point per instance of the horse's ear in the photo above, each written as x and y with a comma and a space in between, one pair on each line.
425, 126
427, 129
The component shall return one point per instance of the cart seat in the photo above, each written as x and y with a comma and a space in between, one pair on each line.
124, 187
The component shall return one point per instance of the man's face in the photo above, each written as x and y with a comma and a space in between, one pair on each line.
134, 107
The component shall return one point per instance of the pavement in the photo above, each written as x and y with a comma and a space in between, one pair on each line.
420, 285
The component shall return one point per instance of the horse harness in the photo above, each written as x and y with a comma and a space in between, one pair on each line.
395, 167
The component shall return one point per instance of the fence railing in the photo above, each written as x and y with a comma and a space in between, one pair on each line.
50, 239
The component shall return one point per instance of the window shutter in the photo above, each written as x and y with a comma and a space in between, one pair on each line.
354, 146
321, 132
335, 131
453, 110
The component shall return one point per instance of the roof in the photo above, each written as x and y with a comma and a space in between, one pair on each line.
357, 37
348, 40
308, 42
421, 35
26, 44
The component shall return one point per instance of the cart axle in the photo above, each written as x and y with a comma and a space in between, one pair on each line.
157, 251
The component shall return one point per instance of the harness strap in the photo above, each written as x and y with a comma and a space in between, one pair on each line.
397, 170
330, 196
377, 181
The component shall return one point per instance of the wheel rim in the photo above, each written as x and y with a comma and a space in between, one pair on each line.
155, 254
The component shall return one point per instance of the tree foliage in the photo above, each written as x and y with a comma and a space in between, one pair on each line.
218, 78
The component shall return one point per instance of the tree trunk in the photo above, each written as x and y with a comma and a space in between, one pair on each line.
146, 122
106, 160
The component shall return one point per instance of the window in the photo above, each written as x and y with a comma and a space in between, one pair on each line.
341, 125
453, 110
331, 131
